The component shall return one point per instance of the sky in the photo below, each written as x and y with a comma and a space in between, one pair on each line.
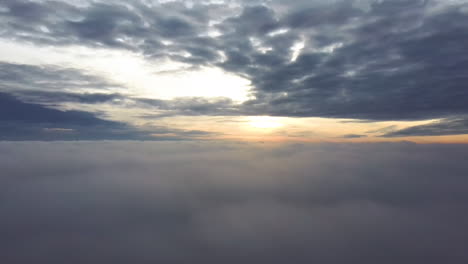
233, 131
261, 70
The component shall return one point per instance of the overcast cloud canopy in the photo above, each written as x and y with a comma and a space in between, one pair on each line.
364, 59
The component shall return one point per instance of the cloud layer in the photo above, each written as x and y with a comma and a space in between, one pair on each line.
208, 203
21, 121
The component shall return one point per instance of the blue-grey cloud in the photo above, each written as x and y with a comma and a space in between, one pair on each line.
27, 121
163, 202
21, 78
448, 126
44, 97
354, 136
191, 106
397, 62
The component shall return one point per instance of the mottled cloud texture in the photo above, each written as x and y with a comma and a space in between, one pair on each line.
379, 60
132, 202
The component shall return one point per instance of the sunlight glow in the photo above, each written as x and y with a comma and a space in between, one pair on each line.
133, 74
264, 122
297, 49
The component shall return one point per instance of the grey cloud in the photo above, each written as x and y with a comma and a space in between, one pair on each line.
21, 78
387, 129
53, 98
393, 60
448, 126
56, 86
254, 20
210, 202
135, 26
311, 17
26, 121
192, 106
21, 121
103, 23
404, 66
354, 136
15, 110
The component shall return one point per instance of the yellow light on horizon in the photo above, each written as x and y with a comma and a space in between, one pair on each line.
264, 122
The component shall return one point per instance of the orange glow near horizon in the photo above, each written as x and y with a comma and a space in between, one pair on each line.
284, 129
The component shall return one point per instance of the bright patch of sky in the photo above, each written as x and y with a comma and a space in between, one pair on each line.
163, 79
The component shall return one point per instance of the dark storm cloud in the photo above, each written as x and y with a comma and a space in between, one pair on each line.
393, 60
232, 203
448, 126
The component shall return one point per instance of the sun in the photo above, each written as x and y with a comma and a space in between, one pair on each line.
264, 122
